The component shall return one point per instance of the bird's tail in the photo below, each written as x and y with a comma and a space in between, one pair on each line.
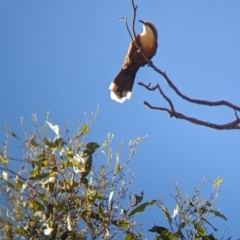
121, 87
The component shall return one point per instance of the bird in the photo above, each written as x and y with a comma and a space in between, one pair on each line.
147, 41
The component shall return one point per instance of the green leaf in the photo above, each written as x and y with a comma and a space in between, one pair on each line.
69, 153
141, 207
37, 176
3, 159
42, 163
208, 204
84, 129
218, 214
90, 148
217, 181
166, 213
91, 214
205, 220
18, 212
84, 181
209, 237
14, 134
43, 175
158, 229
33, 142
100, 210
41, 156
88, 166
18, 185
138, 199
92, 145
168, 236
59, 143
34, 173
121, 223
64, 235
164, 233
54, 232
20, 231
130, 236
200, 231
49, 143
78, 165
36, 206
61, 206
66, 164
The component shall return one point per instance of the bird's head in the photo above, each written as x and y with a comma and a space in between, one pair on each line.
147, 27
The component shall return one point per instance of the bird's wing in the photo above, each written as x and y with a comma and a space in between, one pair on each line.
133, 56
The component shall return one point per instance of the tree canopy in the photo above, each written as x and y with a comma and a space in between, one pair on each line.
68, 187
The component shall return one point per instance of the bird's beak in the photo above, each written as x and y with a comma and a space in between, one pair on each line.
141, 21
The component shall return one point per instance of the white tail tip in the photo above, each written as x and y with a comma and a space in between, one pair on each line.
115, 95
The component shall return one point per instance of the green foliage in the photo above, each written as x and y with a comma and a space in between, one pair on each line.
190, 218
70, 188
141, 208
67, 187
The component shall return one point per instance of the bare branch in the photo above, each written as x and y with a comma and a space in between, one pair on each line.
227, 126
133, 38
231, 125
197, 101
134, 7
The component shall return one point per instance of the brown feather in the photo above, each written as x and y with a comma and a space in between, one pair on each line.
122, 85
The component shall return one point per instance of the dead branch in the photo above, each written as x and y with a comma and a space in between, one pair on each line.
171, 111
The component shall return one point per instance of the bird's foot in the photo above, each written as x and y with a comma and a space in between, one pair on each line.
150, 63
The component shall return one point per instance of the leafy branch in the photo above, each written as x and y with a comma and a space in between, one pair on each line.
60, 192
190, 218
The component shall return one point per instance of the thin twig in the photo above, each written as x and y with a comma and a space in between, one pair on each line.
134, 18
125, 21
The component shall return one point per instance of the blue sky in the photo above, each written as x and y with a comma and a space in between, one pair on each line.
60, 56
